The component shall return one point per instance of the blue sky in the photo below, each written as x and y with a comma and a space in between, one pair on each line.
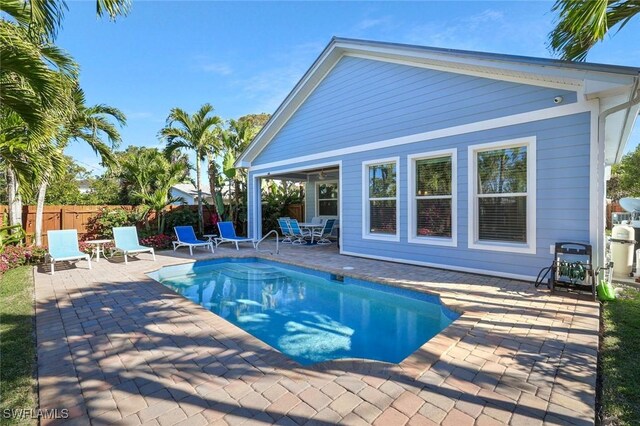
244, 57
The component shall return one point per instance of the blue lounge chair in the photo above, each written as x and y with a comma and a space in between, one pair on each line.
63, 246
228, 235
285, 231
126, 241
187, 237
298, 233
324, 233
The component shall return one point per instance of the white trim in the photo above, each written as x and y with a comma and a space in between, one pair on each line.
275, 123
317, 206
597, 187
494, 123
482, 71
531, 244
491, 273
257, 196
365, 200
411, 199
340, 222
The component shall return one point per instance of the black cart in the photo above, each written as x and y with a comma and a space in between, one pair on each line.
573, 268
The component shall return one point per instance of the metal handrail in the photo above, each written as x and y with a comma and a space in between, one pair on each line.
273, 231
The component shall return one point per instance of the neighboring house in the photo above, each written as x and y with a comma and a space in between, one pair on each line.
189, 194
84, 186
463, 160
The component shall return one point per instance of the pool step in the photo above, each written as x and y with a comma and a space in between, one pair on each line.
242, 272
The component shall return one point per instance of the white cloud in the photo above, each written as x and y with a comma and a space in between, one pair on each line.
267, 89
369, 23
217, 68
490, 30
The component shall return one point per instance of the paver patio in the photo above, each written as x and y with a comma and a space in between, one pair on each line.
117, 347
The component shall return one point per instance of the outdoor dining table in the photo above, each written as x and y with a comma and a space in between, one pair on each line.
311, 227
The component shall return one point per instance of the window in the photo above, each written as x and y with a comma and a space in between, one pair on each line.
503, 197
432, 198
380, 198
327, 198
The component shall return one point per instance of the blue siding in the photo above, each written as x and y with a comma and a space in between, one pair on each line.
363, 101
562, 196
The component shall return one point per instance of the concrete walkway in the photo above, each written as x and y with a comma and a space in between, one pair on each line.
117, 347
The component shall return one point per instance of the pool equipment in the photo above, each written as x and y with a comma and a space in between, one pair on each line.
572, 268
622, 248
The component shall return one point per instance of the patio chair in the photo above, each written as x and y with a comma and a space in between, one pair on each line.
298, 233
127, 243
228, 235
324, 233
283, 223
63, 246
187, 238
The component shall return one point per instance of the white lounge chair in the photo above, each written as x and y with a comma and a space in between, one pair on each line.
126, 242
228, 235
63, 246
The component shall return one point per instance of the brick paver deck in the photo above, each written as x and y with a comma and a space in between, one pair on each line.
117, 347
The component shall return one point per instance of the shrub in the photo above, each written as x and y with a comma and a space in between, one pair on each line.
101, 225
179, 217
158, 242
14, 256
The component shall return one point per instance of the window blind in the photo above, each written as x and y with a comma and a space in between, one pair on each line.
433, 197
502, 195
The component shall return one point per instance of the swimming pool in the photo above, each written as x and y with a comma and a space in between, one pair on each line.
309, 315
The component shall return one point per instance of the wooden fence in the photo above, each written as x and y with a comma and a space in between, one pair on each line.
71, 217
78, 217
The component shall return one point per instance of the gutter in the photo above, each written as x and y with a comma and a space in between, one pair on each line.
635, 99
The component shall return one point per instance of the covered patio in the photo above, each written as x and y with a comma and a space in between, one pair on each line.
320, 186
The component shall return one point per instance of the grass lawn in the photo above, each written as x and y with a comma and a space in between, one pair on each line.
621, 359
17, 346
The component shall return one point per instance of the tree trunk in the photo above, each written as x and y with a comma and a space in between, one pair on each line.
213, 177
199, 188
14, 199
42, 192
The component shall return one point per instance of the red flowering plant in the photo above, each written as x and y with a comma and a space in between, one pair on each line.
158, 242
14, 256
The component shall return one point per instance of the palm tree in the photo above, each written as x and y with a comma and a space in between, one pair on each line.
158, 197
194, 132
583, 23
45, 16
89, 124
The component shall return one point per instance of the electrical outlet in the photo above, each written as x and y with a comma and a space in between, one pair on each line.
552, 248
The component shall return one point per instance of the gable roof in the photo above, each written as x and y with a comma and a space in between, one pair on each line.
189, 189
611, 84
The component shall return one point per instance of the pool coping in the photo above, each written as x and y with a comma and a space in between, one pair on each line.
412, 366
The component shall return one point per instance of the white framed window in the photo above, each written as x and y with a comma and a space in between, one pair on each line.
380, 199
432, 188
502, 196
327, 198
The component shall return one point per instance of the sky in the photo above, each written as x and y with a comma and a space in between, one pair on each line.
245, 57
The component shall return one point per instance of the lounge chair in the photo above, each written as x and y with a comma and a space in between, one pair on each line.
298, 233
285, 231
324, 233
187, 238
126, 242
228, 235
63, 246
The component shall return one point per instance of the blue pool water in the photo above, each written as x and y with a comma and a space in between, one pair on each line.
309, 315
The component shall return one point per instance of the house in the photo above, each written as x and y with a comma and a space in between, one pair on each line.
188, 193
452, 159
